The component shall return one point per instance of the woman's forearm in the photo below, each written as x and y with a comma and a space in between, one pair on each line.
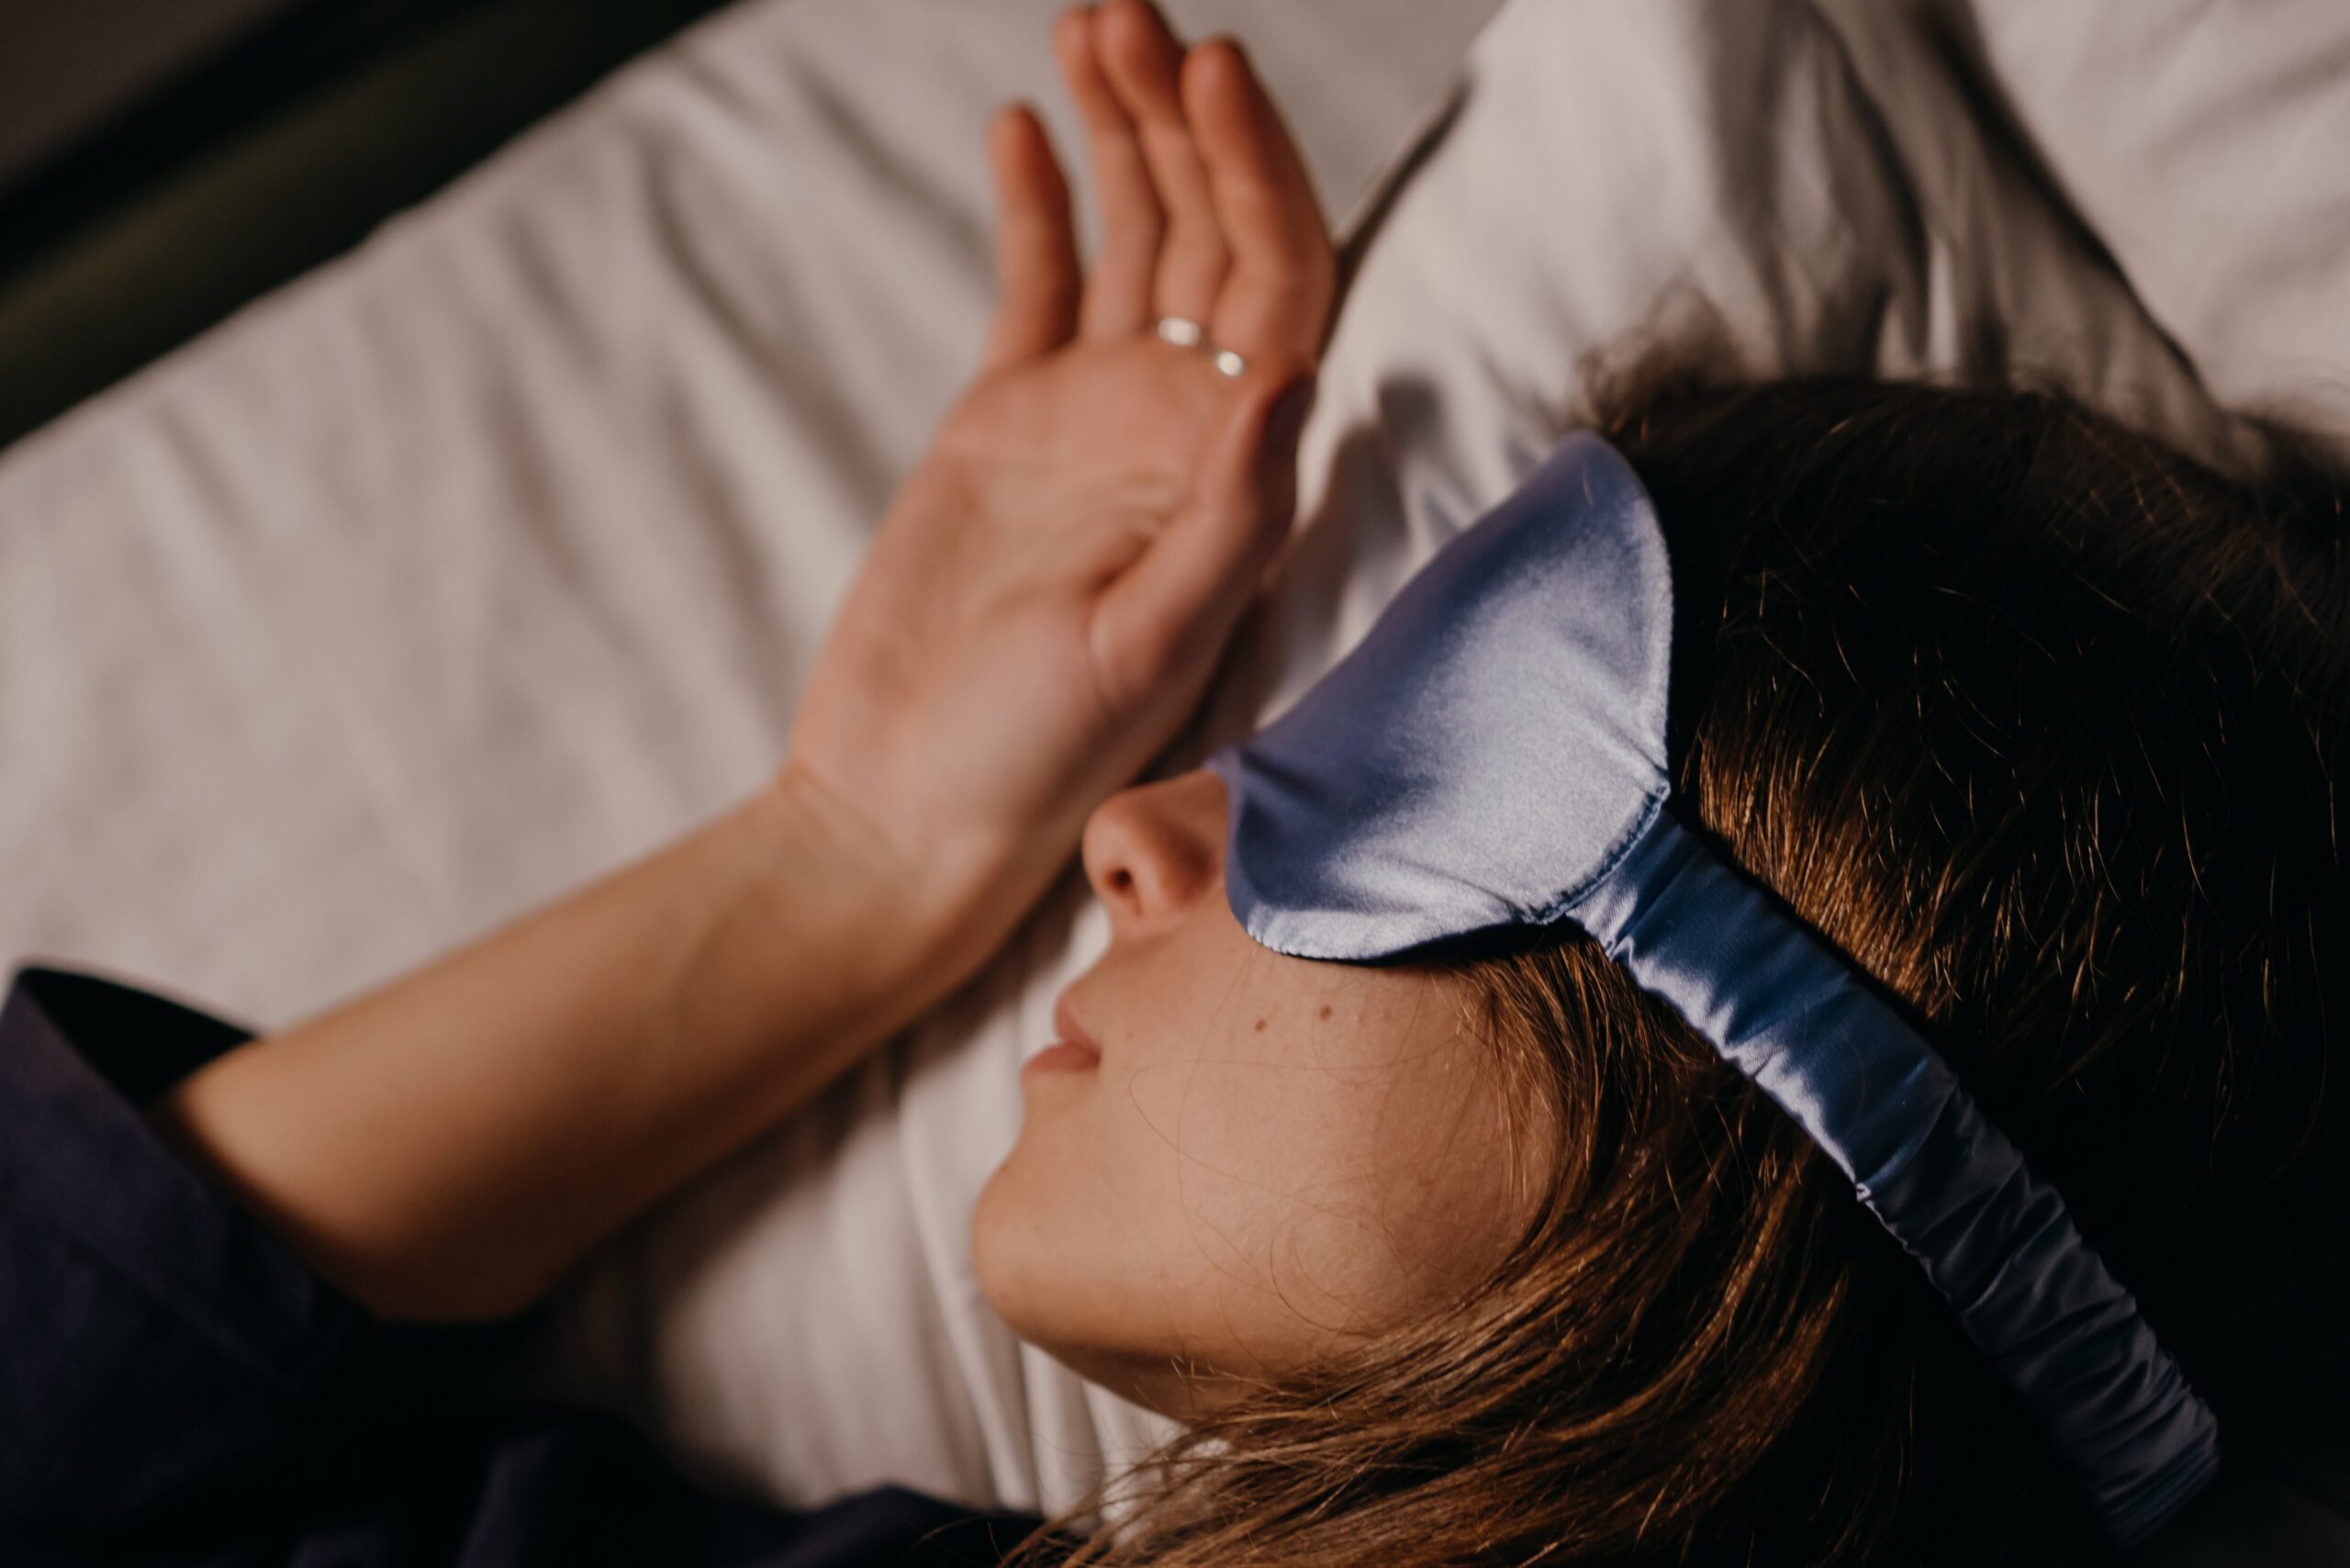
449, 1146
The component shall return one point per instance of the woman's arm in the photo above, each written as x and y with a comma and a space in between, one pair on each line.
1037, 615
448, 1145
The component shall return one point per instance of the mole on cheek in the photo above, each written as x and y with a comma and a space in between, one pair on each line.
1326, 1010
1260, 1025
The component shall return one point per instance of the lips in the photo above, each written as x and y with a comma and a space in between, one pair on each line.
1075, 1050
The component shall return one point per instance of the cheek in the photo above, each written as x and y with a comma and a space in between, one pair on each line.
1316, 1172
1249, 1196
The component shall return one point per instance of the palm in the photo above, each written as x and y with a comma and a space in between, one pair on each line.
1085, 454
1043, 486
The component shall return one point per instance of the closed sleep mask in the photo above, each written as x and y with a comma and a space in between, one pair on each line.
1492, 757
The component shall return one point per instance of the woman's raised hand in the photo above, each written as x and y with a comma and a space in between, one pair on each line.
1039, 612
1044, 603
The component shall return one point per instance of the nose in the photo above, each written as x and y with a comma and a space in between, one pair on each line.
1153, 851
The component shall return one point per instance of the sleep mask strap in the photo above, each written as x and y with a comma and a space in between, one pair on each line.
1791, 1012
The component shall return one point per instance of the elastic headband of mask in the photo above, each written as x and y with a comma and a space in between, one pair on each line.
1492, 755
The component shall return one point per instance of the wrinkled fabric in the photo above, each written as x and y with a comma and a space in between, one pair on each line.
1494, 755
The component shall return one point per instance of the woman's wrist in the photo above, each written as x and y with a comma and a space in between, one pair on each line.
910, 909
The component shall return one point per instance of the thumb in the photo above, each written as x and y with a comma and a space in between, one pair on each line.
1171, 611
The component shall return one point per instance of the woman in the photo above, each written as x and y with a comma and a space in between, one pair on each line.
1488, 1258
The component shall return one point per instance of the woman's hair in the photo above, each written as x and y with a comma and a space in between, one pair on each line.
2040, 722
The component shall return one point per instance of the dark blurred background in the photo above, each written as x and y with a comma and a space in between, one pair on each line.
164, 162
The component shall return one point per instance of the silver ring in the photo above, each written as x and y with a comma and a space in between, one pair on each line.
1186, 333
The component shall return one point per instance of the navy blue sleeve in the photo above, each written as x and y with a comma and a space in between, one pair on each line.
178, 1388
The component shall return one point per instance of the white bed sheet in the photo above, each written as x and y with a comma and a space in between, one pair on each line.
496, 553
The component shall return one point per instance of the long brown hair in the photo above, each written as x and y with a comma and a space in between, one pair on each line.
2040, 722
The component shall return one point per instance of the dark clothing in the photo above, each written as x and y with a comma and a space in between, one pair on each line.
178, 1388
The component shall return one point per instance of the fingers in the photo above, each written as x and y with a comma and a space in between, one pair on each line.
1276, 298
1207, 208
1170, 614
1038, 283
1118, 292
1144, 61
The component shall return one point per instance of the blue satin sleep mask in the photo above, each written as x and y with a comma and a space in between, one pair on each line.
1492, 757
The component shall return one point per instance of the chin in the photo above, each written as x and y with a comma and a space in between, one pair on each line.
995, 1253
1020, 1266
1017, 1253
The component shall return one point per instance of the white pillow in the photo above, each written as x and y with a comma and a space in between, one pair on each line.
2208, 149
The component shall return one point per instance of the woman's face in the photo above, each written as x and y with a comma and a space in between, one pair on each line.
1272, 1155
